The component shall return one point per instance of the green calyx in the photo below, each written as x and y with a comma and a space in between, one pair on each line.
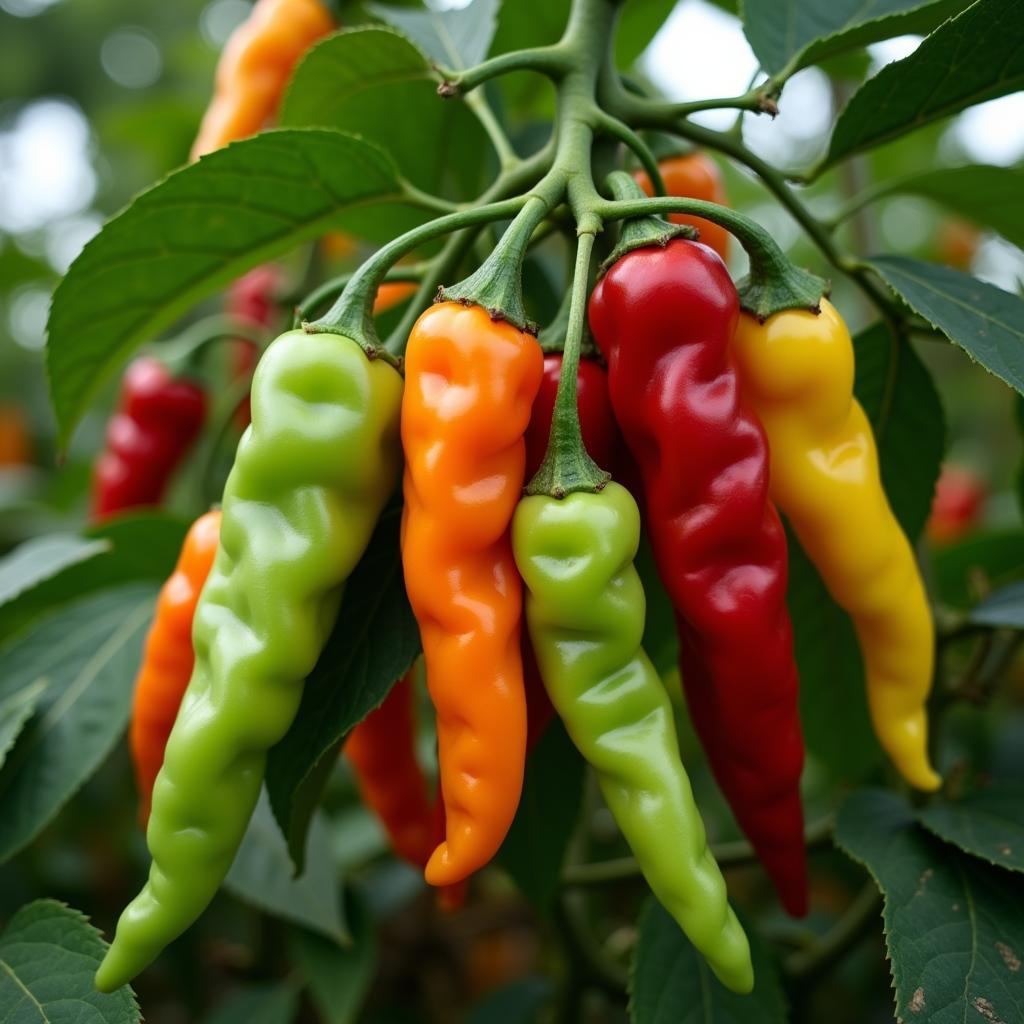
640, 232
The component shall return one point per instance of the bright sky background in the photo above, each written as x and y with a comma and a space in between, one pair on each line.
47, 182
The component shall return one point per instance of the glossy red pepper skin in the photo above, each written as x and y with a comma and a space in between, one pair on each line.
663, 318
157, 419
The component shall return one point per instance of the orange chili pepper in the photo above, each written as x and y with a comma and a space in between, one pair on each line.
391, 293
255, 66
694, 176
168, 657
15, 444
470, 383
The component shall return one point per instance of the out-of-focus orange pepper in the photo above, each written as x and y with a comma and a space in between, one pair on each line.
470, 383
255, 66
956, 243
694, 176
391, 293
15, 443
168, 657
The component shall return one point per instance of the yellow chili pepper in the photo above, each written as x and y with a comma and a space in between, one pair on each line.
796, 371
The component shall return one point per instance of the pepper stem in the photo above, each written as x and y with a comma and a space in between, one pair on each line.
497, 284
567, 468
640, 232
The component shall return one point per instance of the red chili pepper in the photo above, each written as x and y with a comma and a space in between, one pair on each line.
663, 318
250, 299
157, 419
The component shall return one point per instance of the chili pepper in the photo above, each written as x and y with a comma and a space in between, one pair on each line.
157, 420
255, 66
797, 371
250, 299
311, 476
585, 611
957, 506
693, 176
15, 443
664, 317
382, 749
167, 659
391, 294
470, 383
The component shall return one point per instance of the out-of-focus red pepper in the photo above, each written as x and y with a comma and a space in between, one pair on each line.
959, 497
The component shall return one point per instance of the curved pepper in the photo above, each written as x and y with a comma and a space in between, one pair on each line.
255, 66
693, 176
663, 319
585, 610
167, 658
311, 476
470, 383
797, 371
156, 422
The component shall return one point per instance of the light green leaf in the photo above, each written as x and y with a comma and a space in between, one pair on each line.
88, 654
269, 1003
1002, 610
975, 57
787, 35
986, 322
262, 875
48, 958
195, 231
953, 928
987, 824
671, 983
456, 38
42, 558
15, 710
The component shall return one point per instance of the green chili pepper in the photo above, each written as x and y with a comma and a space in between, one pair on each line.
310, 479
585, 611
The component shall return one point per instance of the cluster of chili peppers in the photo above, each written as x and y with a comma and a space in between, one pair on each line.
714, 420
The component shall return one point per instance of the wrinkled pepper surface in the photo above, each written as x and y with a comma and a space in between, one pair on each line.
167, 658
797, 370
470, 384
311, 476
157, 420
585, 611
664, 319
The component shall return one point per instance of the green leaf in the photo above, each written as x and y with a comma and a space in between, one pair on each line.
790, 35
1002, 610
375, 83
975, 57
534, 849
88, 654
374, 642
994, 557
519, 1002
456, 38
987, 824
986, 322
195, 231
671, 983
42, 558
269, 1003
142, 547
953, 928
899, 397
15, 710
989, 196
48, 958
339, 979
661, 642
262, 875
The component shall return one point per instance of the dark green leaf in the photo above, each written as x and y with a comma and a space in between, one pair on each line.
42, 558
535, 846
195, 231
986, 322
791, 34
16, 708
520, 1002
262, 875
638, 24
48, 958
1003, 609
660, 639
990, 558
373, 643
989, 196
269, 1003
339, 978
375, 83
456, 38
953, 927
899, 397
975, 57
88, 654
671, 982
141, 547
988, 824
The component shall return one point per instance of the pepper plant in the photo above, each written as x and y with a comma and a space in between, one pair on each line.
528, 480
